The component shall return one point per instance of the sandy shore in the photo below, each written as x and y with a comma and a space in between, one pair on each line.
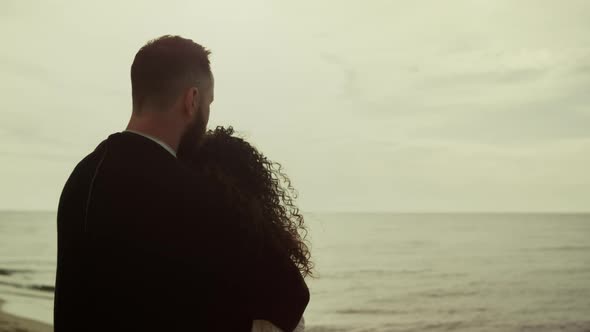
11, 323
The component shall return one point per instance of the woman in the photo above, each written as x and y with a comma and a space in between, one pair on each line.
262, 196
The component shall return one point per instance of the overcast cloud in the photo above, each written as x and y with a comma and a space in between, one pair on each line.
370, 105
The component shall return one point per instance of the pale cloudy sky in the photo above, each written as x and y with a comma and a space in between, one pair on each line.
370, 105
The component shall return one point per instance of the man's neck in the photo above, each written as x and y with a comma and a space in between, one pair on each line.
157, 141
160, 133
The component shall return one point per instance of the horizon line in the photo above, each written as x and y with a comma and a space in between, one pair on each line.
385, 211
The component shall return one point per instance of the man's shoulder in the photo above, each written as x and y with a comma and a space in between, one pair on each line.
84, 167
139, 165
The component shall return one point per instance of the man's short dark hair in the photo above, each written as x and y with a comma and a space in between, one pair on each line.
164, 67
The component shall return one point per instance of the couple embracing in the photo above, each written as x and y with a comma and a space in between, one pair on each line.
167, 226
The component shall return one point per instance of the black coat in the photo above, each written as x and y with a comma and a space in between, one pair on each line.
146, 244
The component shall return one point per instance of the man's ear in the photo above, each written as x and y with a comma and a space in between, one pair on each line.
192, 101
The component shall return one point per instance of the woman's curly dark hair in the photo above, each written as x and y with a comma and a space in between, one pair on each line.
258, 188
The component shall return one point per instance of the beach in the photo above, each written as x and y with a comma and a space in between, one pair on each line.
11, 323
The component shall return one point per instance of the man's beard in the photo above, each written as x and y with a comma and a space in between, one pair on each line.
191, 138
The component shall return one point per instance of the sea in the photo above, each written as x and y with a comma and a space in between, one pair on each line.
387, 271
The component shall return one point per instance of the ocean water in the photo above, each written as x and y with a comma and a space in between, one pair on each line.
28, 249
389, 272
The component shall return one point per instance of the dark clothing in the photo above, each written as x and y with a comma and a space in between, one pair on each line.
146, 244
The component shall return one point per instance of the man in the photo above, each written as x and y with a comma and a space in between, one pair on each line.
143, 243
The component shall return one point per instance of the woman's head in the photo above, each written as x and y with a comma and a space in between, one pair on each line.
257, 188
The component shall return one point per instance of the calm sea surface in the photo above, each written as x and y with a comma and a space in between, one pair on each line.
388, 272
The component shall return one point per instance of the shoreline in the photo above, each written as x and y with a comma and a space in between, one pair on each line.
12, 323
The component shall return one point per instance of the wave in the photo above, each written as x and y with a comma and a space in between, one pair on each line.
561, 248
28, 294
371, 312
411, 311
10, 272
35, 287
439, 293
348, 274
568, 248
575, 270
463, 325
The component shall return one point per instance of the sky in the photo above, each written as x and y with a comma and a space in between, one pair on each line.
369, 105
